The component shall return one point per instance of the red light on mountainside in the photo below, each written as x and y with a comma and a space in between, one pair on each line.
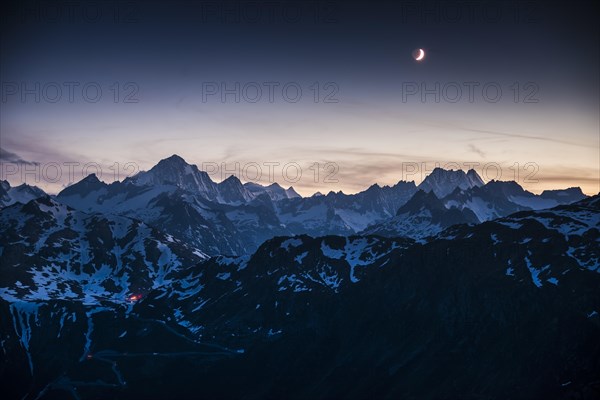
134, 297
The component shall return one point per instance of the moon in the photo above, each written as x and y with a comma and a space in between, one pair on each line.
418, 54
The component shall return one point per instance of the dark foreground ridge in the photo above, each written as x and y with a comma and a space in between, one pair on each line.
505, 309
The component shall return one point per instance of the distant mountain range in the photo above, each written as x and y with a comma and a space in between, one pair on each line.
234, 218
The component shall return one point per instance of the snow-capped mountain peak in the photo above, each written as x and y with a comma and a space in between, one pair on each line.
274, 190
291, 193
87, 185
176, 171
443, 182
474, 178
231, 191
18, 194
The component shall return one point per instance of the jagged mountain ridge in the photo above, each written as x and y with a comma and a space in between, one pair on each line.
235, 218
424, 215
443, 182
18, 194
228, 217
274, 190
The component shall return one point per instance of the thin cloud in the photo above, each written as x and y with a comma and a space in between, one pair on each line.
476, 150
376, 112
13, 158
521, 136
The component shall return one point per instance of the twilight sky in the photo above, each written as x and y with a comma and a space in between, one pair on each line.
168, 74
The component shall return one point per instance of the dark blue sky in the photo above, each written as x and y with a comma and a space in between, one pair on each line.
169, 51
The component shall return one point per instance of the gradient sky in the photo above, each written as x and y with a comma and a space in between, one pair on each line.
371, 134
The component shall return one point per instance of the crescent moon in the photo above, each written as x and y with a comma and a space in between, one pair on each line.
421, 55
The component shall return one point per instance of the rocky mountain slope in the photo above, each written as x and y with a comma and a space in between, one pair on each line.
51, 251
504, 309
